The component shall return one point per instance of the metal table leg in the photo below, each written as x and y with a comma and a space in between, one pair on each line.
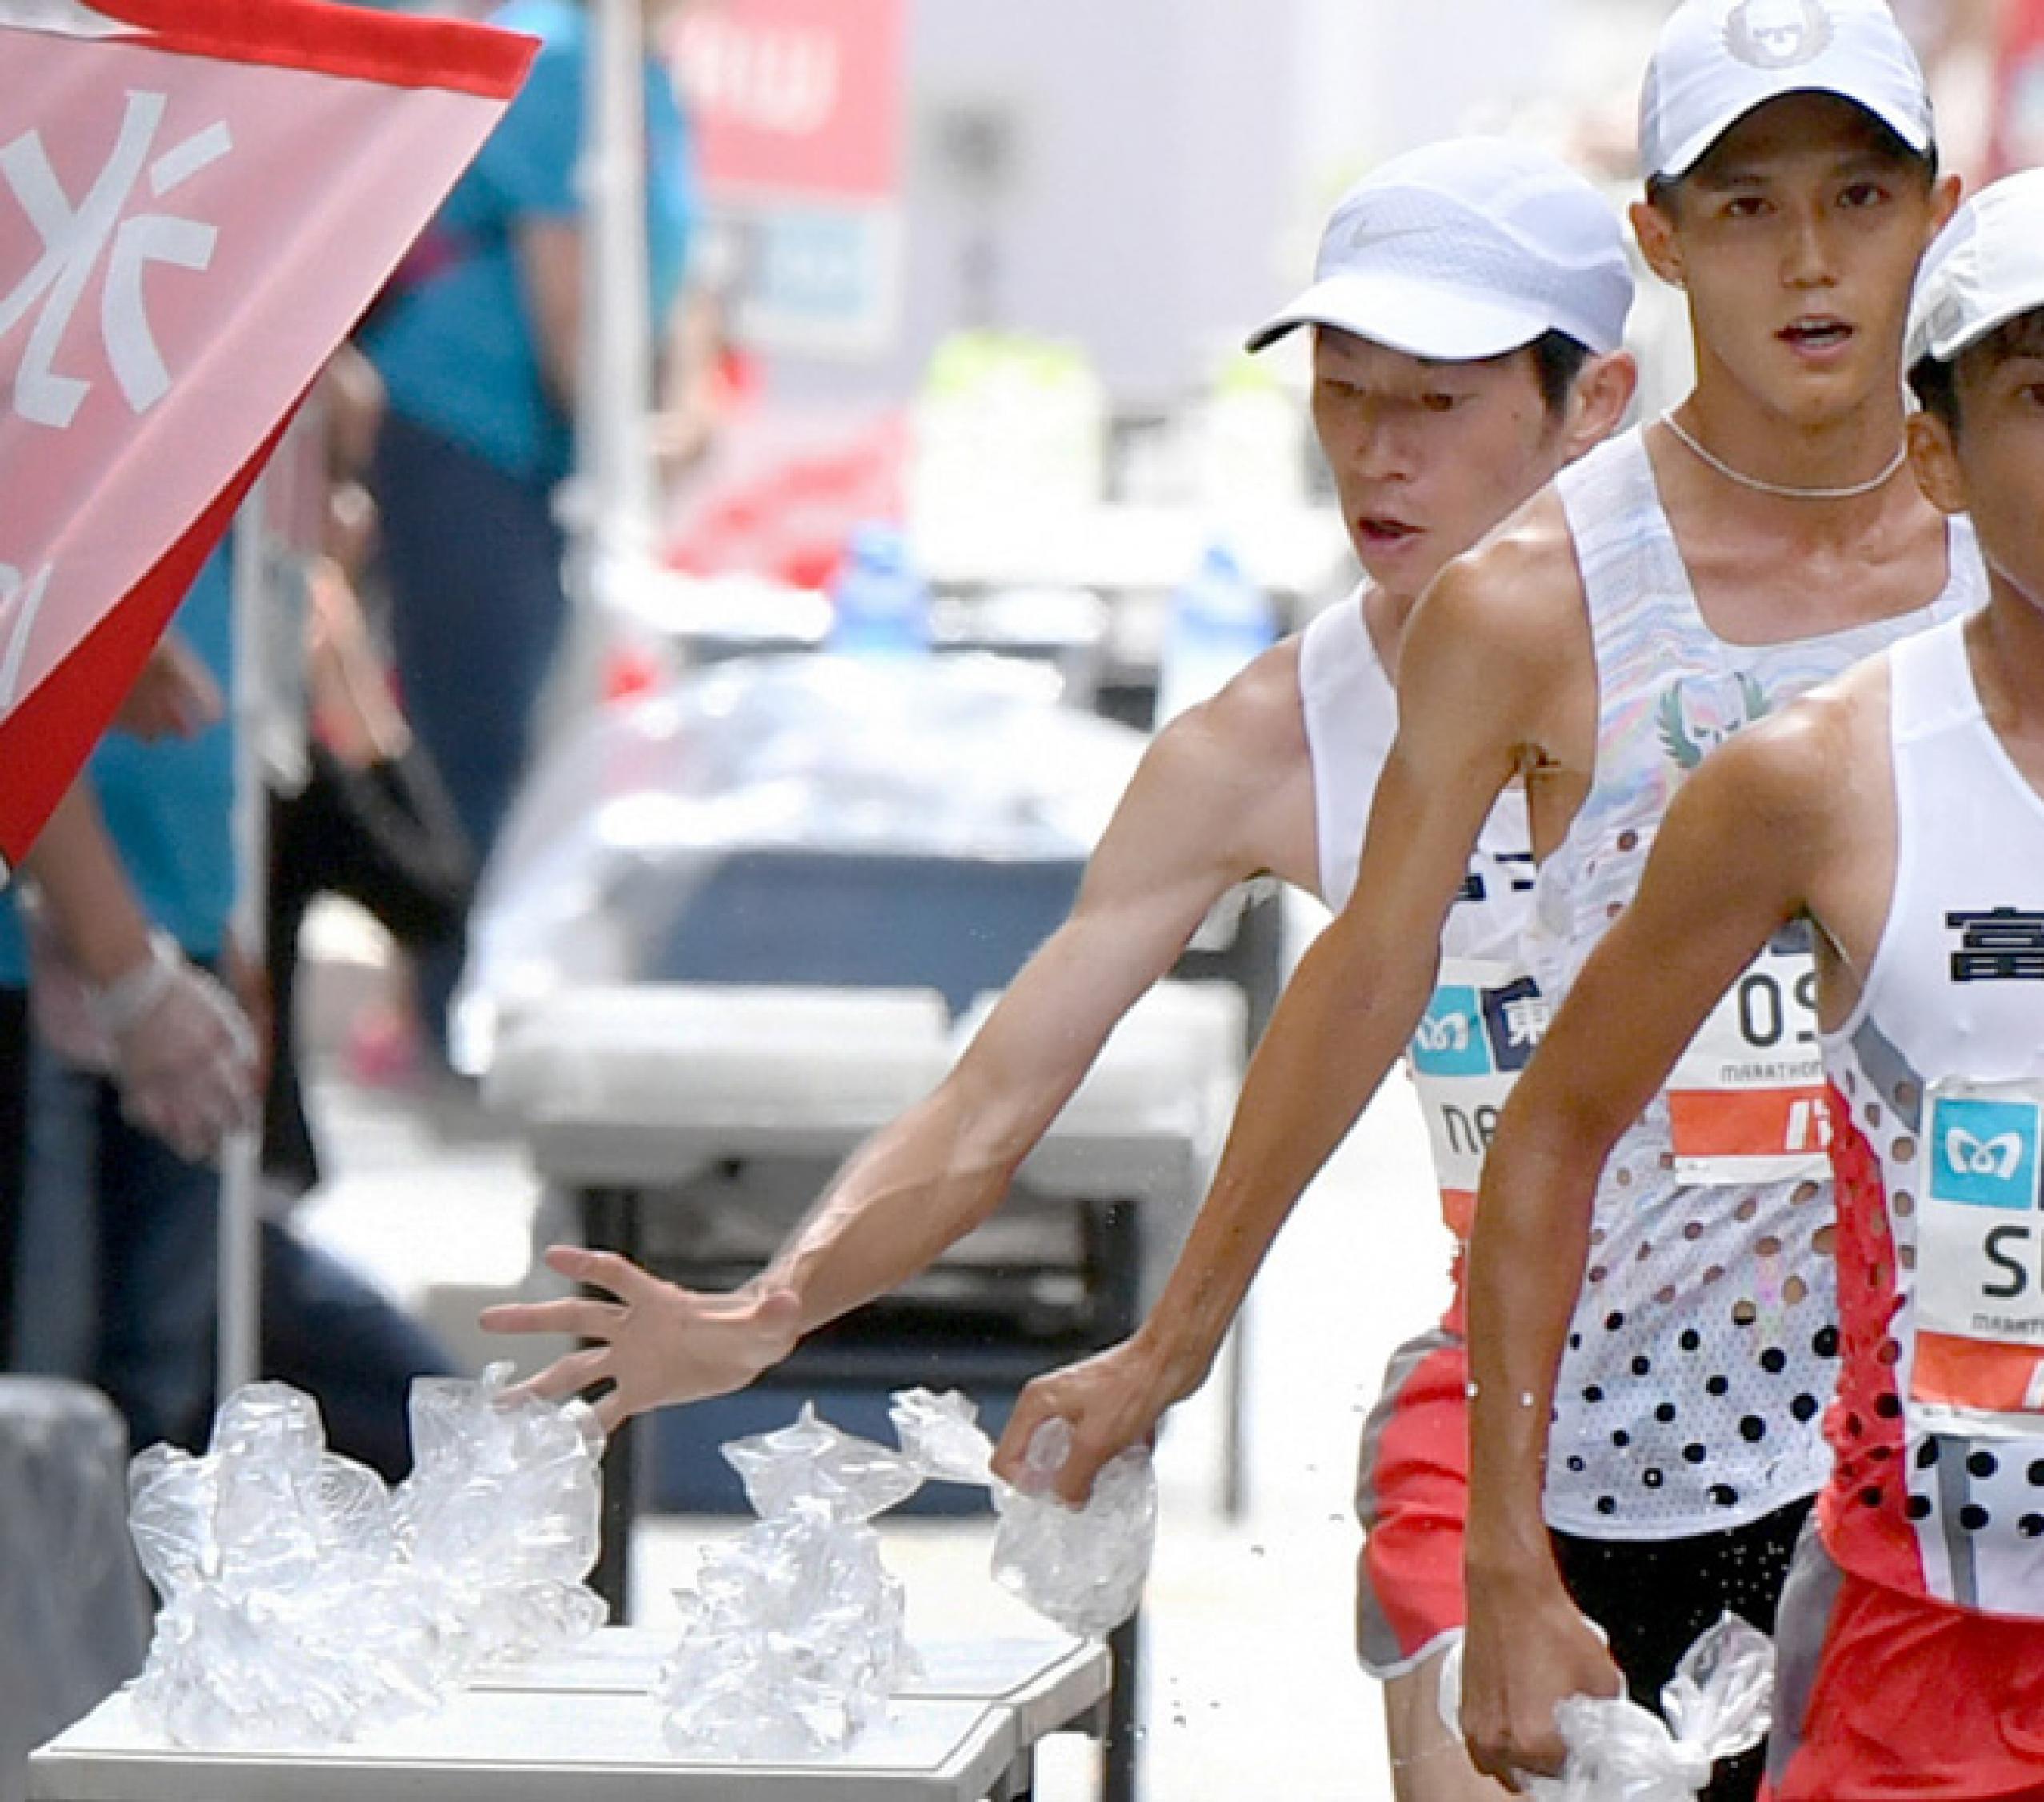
611, 1222
1119, 1759
1119, 1277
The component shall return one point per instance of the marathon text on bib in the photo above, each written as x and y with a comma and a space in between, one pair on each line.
1746, 1103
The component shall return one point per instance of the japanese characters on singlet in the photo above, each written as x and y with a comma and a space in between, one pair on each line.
1485, 1016
1938, 1487
1705, 1336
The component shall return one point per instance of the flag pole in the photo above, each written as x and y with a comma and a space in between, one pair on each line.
239, 1325
611, 521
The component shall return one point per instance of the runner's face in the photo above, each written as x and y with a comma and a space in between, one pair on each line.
1427, 455
2000, 457
1797, 239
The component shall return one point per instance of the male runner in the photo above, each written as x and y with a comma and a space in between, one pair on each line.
1677, 582
1468, 305
1900, 811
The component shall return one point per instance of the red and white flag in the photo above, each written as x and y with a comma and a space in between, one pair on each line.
198, 200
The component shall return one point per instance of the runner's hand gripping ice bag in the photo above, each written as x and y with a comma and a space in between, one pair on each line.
1717, 1704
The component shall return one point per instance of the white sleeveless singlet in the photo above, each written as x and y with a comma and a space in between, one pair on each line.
1938, 1486
1705, 1328
1484, 1017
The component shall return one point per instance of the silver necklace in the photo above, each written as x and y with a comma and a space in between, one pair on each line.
1780, 490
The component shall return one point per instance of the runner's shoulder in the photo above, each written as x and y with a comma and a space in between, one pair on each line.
1803, 769
1511, 609
1253, 729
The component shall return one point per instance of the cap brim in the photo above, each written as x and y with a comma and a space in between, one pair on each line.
1692, 150
1420, 318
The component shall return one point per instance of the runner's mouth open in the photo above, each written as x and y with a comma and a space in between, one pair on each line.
1817, 334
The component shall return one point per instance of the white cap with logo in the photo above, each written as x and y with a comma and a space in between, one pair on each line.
1716, 60
1986, 269
1467, 249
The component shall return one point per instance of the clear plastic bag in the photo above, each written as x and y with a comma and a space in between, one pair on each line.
498, 1520
794, 1633
941, 1436
303, 1603
1717, 1704
1083, 1569
286, 1621
793, 1638
850, 1479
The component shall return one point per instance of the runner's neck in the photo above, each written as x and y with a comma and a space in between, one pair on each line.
1851, 450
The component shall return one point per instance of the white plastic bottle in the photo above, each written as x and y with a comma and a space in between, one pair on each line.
1219, 620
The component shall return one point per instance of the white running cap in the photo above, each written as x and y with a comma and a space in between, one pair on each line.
1467, 249
1985, 268
1718, 59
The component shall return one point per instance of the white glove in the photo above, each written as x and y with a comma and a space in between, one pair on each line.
183, 1052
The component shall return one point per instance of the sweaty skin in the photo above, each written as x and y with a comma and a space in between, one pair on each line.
1803, 809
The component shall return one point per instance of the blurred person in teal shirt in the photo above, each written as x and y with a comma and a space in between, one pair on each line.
116, 1252
477, 345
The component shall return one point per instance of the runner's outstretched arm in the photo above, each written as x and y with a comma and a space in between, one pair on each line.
1474, 673
1729, 867
1184, 833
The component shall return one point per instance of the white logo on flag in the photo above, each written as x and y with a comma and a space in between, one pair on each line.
1997, 1157
20, 602
73, 239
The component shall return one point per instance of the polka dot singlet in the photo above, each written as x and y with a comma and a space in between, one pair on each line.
1705, 1340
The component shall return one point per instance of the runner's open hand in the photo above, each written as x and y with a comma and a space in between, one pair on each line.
654, 1343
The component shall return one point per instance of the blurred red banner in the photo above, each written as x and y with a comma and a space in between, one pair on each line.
800, 99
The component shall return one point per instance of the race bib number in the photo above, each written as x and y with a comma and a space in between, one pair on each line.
1746, 1102
1479, 1032
1980, 1260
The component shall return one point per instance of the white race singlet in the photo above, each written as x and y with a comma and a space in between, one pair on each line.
1485, 1017
1706, 1320
1938, 1487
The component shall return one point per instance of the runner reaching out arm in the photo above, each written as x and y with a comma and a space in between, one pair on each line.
1221, 786
1447, 390
1429, 448
1489, 685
